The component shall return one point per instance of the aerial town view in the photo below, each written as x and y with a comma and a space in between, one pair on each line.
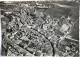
37, 28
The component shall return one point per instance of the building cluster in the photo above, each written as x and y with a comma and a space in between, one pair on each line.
37, 33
